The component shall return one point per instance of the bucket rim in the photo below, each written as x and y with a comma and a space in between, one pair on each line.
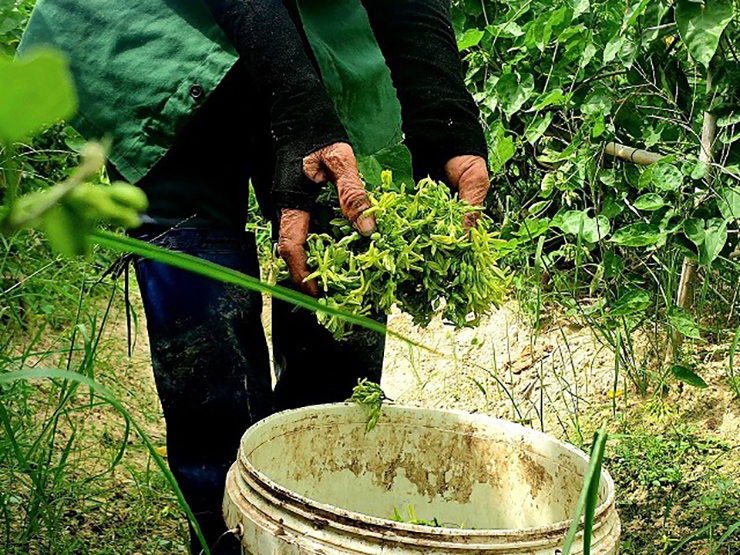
342, 518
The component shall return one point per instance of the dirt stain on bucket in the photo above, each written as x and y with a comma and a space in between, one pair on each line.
534, 473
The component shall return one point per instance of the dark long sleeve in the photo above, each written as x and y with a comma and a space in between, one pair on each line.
302, 116
440, 117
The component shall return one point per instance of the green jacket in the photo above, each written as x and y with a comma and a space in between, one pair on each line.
143, 67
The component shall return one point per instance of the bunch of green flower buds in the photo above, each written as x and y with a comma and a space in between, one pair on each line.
421, 259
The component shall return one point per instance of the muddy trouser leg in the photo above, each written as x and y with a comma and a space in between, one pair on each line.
211, 367
311, 366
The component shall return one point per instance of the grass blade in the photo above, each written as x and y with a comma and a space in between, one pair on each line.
9, 377
726, 536
589, 499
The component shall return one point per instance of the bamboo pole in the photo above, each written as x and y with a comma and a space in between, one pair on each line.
685, 294
631, 154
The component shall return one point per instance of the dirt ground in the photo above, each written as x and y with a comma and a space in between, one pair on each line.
559, 379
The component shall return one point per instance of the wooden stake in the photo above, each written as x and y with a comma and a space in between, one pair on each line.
685, 295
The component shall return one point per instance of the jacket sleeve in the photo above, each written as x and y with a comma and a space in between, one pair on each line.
440, 117
302, 116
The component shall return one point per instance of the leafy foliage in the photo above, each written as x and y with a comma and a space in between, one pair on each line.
421, 259
368, 394
595, 113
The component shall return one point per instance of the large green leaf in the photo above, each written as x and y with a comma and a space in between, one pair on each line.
513, 91
631, 302
683, 322
502, 150
687, 375
578, 222
65, 230
537, 127
396, 159
662, 177
598, 102
637, 235
469, 38
701, 25
709, 237
634, 12
34, 93
729, 203
554, 97
649, 202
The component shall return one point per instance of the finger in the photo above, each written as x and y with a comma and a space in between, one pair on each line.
341, 167
312, 168
469, 175
354, 201
292, 248
474, 191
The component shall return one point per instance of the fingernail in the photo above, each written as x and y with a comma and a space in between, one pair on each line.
365, 224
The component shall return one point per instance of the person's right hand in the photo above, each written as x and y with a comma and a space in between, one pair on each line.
335, 163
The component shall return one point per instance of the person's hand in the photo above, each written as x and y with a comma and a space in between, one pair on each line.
468, 174
335, 163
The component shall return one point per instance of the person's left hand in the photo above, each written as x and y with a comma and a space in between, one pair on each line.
468, 174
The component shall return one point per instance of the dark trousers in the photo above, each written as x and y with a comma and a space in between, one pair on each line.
209, 352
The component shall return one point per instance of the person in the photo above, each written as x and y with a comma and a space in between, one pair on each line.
200, 98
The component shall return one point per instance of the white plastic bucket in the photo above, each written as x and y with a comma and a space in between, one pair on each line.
312, 481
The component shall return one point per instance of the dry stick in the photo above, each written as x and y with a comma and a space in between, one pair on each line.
685, 295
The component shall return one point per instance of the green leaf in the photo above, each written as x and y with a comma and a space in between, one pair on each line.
683, 322
396, 159
588, 501
513, 92
554, 97
729, 203
507, 29
613, 265
599, 126
470, 38
726, 121
637, 235
578, 222
589, 51
612, 207
66, 231
532, 228
687, 375
649, 202
727, 137
502, 151
662, 177
36, 91
579, 7
537, 127
634, 11
709, 237
612, 48
701, 24
631, 302
598, 102
695, 170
